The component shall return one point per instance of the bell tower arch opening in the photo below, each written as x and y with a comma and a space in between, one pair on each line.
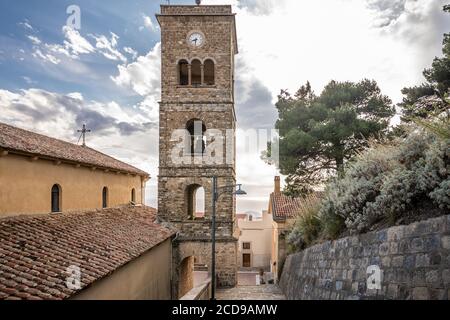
198, 48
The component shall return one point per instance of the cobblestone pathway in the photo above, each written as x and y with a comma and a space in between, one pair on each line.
263, 292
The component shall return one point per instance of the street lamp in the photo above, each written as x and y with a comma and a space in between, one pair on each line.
216, 193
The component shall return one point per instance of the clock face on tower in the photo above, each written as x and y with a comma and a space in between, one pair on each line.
195, 39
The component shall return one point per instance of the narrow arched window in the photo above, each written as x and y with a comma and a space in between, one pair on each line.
196, 72
105, 197
183, 73
196, 129
133, 195
56, 198
209, 72
195, 197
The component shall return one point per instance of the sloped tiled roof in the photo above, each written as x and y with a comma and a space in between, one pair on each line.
241, 216
23, 141
35, 251
283, 206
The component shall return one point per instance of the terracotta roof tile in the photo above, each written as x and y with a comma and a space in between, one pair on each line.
19, 140
36, 250
284, 206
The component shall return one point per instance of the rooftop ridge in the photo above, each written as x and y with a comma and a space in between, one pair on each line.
21, 140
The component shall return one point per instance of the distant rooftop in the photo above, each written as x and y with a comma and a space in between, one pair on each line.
283, 206
16, 140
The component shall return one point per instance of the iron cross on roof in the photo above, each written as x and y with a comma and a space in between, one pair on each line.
83, 134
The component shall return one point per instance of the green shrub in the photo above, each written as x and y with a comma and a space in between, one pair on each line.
388, 180
307, 226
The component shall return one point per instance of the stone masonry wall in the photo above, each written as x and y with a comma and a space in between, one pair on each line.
414, 262
226, 262
213, 104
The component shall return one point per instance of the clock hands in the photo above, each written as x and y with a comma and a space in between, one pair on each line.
196, 39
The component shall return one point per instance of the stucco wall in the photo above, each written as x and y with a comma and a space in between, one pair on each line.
278, 248
259, 234
145, 278
25, 186
414, 261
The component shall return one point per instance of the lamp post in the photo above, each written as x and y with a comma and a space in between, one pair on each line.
216, 193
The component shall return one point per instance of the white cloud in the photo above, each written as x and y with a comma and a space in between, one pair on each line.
75, 43
142, 76
46, 57
119, 131
296, 41
76, 95
26, 25
108, 47
34, 40
131, 52
73, 46
148, 23
28, 80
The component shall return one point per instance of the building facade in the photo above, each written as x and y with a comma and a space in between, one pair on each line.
40, 174
197, 124
283, 210
255, 241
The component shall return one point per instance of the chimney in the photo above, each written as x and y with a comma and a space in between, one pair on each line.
277, 188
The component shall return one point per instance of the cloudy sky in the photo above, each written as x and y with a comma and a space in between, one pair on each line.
53, 78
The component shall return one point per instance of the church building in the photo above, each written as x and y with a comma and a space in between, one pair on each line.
40, 175
73, 224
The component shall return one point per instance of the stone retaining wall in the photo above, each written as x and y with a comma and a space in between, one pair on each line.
413, 262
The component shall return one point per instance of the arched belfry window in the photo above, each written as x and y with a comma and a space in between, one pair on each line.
183, 72
195, 200
208, 70
56, 198
133, 195
196, 72
105, 197
196, 129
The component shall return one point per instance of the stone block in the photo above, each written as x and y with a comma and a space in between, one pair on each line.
431, 243
445, 241
395, 233
382, 236
392, 291
432, 277
422, 260
386, 262
437, 294
419, 278
446, 277
416, 245
420, 293
383, 249
355, 285
397, 261
409, 262
393, 248
435, 258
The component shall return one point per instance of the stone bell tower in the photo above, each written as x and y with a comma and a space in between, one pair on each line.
198, 45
